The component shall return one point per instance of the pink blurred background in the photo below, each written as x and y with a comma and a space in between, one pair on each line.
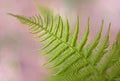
19, 59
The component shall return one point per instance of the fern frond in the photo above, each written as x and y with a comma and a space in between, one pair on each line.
84, 37
71, 60
75, 33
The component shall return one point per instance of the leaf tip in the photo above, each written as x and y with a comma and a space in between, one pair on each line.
11, 14
109, 27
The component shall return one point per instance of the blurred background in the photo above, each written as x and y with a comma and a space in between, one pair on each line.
19, 59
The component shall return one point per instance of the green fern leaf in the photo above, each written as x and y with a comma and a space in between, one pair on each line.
68, 59
75, 33
84, 37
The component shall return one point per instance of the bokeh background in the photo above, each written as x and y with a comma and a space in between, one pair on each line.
19, 59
